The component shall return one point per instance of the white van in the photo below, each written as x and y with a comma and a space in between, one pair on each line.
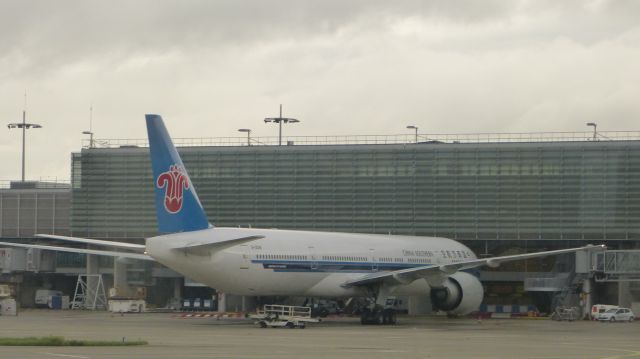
42, 296
598, 309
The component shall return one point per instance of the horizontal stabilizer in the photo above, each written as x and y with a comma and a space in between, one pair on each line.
94, 241
205, 249
81, 250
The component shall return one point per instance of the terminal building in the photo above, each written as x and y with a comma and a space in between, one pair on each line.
28, 208
498, 194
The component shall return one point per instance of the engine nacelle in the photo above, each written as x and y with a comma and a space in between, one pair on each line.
460, 294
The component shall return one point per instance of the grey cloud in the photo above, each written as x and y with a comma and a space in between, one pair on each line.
342, 67
51, 33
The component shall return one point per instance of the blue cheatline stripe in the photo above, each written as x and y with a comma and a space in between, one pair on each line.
293, 261
319, 271
291, 266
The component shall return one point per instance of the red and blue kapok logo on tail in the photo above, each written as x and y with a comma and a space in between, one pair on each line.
176, 210
175, 182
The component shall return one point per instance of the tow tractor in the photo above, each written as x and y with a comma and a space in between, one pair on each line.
284, 316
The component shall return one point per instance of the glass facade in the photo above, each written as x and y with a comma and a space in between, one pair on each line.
26, 212
508, 191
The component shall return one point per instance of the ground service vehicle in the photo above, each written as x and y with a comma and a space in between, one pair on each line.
42, 296
598, 309
284, 316
617, 315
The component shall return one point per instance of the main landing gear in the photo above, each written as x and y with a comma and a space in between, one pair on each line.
378, 316
381, 310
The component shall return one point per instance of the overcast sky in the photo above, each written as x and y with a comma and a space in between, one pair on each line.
341, 67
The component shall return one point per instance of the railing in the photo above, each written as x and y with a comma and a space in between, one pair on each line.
381, 139
281, 311
42, 183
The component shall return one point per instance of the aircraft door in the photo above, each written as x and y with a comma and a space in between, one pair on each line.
245, 261
313, 258
374, 260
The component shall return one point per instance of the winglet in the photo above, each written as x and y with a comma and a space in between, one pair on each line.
177, 205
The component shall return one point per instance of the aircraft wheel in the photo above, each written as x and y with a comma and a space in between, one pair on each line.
365, 316
389, 316
393, 318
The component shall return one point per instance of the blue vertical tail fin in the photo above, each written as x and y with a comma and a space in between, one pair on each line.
177, 205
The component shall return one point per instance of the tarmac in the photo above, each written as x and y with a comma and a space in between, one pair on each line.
170, 336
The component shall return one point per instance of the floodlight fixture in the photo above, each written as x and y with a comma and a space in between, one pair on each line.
280, 120
90, 133
412, 127
595, 132
24, 126
248, 131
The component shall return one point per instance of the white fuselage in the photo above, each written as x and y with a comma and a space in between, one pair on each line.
301, 263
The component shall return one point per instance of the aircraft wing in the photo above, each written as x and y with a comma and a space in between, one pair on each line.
437, 273
81, 250
94, 241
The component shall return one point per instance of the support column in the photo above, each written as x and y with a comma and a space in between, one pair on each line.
92, 282
222, 302
177, 288
587, 297
120, 282
624, 295
248, 304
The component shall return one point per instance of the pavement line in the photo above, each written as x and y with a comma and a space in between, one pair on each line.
630, 354
67, 355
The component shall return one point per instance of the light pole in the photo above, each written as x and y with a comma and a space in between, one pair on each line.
90, 132
90, 137
279, 121
24, 126
412, 127
248, 131
595, 125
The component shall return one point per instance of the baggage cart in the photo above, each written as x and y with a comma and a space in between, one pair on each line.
283, 316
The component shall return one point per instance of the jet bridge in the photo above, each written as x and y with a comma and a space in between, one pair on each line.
617, 266
575, 285
621, 267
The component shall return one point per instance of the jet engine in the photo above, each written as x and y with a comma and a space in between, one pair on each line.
460, 294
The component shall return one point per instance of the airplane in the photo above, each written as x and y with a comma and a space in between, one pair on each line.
268, 262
